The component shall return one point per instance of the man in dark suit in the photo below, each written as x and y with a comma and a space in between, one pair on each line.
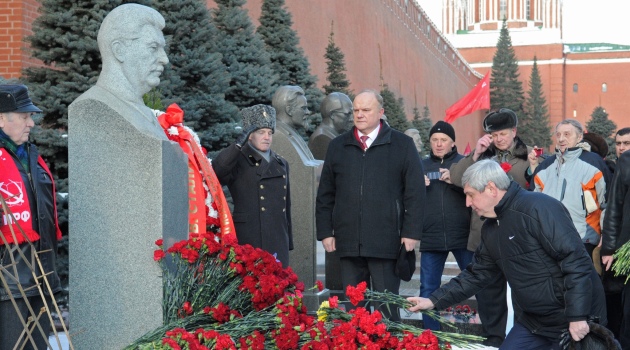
258, 180
370, 198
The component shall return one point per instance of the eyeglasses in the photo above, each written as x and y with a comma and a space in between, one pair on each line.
625, 143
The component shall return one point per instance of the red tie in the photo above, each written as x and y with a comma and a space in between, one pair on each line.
363, 140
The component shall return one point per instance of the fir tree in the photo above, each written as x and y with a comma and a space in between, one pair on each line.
196, 77
394, 110
533, 127
252, 78
336, 69
601, 125
287, 57
506, 91
423, 123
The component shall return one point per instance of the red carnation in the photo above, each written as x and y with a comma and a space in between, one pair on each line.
506, 167
356, 294
320, 285
158, 255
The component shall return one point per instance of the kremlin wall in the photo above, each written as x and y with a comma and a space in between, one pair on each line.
395, 42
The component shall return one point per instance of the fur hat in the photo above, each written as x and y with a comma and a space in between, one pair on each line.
500, 120
597, 143
258, 117
444, 128
599, 338
14, 98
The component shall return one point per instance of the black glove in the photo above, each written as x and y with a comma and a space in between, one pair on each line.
242, 138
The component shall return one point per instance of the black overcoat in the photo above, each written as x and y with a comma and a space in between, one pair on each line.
369, 200
261, 194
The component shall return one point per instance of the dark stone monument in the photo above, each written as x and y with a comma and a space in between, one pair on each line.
291, 111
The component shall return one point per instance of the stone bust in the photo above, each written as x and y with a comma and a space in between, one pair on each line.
131, 44
336, 111
417, 139
289, 102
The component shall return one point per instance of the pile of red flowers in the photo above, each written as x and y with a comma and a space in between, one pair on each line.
460, 312
221, 295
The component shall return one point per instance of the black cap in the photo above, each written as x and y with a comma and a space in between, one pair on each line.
500, 120
406, 263
14, 98
444, 128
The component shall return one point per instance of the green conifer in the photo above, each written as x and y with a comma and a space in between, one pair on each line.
252, 80
287, 57
506, 91
533, 127
336, 69
601, 125
394, 110
196, 77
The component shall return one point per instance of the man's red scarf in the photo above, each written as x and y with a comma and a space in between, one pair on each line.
19, 221
199, 172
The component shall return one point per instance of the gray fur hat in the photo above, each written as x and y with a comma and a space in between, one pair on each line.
258, 117
500, 120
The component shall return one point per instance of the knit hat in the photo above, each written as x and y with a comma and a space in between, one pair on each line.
258, 117
14, 98
597, 143
500, 120
444, 128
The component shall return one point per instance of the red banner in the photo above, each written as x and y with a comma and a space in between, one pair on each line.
478, 98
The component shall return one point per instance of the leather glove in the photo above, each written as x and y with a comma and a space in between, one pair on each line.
242, 138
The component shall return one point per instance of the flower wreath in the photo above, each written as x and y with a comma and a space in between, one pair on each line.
216, 215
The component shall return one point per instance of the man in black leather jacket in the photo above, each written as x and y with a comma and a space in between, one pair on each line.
530, 239
27, 187
616, 232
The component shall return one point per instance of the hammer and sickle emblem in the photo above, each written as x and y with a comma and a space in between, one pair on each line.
12, 193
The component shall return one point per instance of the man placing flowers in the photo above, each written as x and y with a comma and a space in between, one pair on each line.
500, 144
539, 252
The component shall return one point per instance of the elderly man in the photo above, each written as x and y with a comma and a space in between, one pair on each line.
336, 111
538, 250
447, 219
502, 145
575, 177
369, 200
29, 192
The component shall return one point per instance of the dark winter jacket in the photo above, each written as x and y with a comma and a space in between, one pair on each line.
369, 200
616, 230
446, 223
517, 158
534, 244
39, 187
261, 194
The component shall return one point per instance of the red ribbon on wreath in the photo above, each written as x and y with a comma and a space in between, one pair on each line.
199, 169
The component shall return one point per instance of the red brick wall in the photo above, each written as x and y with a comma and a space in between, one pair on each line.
414, 65
16, 17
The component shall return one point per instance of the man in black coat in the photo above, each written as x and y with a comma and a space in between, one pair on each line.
258, 180
370, 198
446, 218
530, 239
616, 232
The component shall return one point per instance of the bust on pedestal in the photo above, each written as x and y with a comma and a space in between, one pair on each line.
291, 111
128, 187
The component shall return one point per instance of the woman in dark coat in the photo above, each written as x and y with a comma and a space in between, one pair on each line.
258, 180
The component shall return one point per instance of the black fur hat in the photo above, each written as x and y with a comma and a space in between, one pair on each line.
500, 120
258, 117
598, 144
599, 338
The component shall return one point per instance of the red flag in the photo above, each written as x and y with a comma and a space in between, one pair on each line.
467, 150
478, 98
